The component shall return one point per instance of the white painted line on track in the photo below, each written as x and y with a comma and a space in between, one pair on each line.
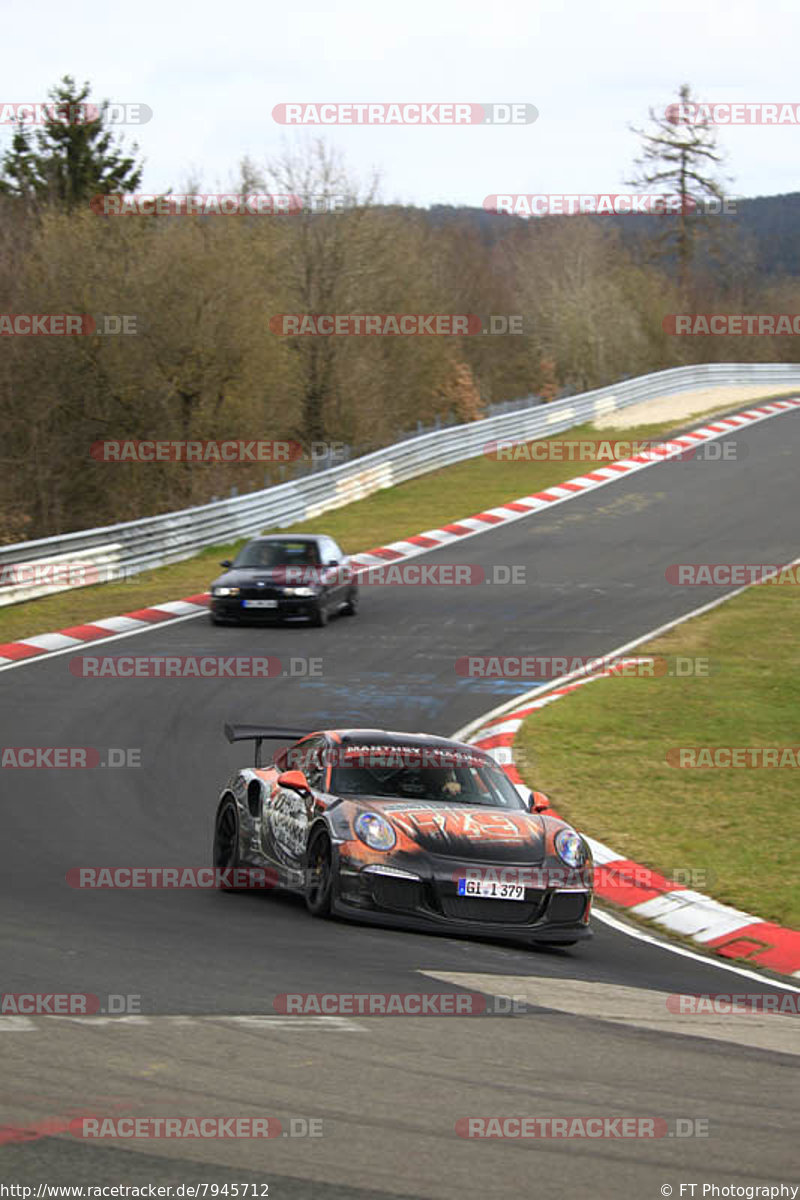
485, 722
607, 918
519, 701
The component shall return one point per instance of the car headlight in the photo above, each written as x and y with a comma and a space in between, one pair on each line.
375, 831
224, 591
299, 591
571, 848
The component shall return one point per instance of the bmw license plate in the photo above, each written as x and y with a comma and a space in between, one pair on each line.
491, 889
260, 603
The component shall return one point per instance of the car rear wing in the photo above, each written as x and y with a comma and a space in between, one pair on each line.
262, 733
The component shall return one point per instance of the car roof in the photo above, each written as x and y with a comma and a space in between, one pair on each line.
391, 737
289, 537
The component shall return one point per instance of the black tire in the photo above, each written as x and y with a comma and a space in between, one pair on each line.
319, 875
214, 619
319, 617
226, 840
351, 607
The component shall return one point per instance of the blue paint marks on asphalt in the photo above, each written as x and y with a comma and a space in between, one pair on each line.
505, 687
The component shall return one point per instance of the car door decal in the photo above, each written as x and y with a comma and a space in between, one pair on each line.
288, 822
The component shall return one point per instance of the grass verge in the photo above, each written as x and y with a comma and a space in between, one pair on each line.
600, 754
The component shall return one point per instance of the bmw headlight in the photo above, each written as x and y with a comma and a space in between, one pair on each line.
375, 831
571, 848
299, 591
224, 591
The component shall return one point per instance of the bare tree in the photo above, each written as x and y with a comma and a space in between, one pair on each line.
680, 156
326, 248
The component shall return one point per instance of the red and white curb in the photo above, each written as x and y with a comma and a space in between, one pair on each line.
77, 635
726, 931
12, 653
514, 510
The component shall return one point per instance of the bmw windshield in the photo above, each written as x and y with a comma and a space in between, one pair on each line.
272, 555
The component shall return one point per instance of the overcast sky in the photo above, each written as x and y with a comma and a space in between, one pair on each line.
212, 73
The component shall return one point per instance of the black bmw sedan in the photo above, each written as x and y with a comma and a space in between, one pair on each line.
279, 577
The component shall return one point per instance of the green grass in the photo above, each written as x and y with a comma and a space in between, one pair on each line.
600, 755
390, 515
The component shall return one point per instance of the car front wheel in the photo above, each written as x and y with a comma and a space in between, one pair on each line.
226, 841
319, 878
319, 616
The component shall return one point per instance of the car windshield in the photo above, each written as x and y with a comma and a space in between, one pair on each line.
270, 555
452, 779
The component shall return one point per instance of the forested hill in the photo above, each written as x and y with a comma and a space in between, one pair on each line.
769, 225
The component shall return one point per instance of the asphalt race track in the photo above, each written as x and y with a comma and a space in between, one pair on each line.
595, 1038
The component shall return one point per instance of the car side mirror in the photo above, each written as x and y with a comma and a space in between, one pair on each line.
294, 780
333, 563
538, 802
226, 562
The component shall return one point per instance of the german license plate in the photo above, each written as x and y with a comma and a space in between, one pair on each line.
260, 603
491, 889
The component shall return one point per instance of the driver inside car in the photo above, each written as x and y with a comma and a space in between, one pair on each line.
451, 786
433, 782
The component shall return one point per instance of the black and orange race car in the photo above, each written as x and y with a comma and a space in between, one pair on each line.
402, 829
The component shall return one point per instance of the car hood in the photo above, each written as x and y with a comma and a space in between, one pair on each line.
466, 831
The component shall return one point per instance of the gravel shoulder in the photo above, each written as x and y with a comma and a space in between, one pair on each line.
685, 405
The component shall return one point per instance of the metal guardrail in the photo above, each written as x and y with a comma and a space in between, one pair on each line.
171, 537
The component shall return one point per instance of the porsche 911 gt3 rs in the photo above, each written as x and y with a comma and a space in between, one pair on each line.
404, 829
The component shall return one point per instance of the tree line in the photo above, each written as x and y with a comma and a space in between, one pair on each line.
204, 362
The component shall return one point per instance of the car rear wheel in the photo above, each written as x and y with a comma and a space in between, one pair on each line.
226, 841
319, 867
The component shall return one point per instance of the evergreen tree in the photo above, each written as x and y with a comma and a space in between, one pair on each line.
71, 158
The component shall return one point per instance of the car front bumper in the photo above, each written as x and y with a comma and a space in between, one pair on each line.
431, 902
226, 608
